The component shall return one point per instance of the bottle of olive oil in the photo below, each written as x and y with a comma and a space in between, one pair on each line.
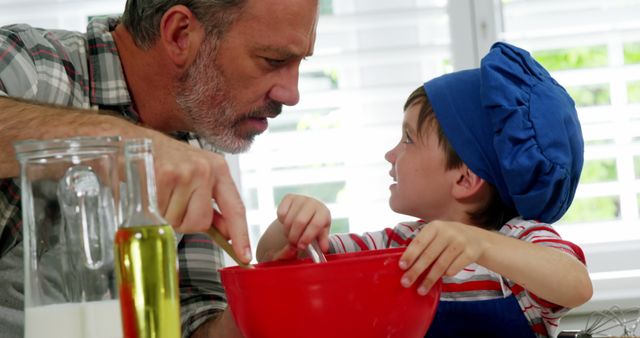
145, 249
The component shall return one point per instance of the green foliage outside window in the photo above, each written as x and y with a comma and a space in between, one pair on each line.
599, 171
631, 52
113, 15
340, 226
593, 209
446, 66
633, 92
636, 165
573, 58
332, 74
299, 120
319, 122
310, 166
283, 126
326, 192
591, 95
328, 76
326, 7
600, 142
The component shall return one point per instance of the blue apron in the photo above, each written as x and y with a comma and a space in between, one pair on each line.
495, 318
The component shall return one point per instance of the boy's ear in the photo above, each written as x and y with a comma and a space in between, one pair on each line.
181, 35
467, 184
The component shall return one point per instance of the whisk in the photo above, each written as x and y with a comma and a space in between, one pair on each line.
602, 323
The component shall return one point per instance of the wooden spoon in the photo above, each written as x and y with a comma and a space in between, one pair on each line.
222, 242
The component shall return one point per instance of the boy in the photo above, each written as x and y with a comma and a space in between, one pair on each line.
487, 159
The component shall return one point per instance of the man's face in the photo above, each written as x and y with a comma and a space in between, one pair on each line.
234, 86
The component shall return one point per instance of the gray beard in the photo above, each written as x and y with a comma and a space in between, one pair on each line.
208, 109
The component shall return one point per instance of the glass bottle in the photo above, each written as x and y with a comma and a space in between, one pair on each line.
145, 247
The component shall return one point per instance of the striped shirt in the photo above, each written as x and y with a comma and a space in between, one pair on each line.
83, 71
476, 282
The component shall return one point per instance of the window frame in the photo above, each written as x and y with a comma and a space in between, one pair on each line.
474, 25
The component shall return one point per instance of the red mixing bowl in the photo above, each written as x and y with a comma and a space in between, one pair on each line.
352, 295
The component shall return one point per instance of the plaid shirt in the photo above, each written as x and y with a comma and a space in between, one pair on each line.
84, 71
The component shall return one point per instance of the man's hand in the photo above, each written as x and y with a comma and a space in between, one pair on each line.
187, 179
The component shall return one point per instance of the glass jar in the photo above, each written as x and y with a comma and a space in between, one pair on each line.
70, 210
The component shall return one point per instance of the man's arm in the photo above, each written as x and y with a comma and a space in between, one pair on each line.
23, 120
187, 178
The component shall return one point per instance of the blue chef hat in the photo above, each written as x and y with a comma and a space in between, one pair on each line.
514, 126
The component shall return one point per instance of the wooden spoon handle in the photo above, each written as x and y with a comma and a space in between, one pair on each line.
222, 242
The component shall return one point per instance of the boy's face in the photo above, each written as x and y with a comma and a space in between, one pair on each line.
422, 186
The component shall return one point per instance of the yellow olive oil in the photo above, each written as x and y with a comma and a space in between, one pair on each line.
148, 281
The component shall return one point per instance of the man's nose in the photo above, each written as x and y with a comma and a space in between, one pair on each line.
285, 90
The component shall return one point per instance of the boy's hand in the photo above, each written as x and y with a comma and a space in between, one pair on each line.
303, 219
447, 247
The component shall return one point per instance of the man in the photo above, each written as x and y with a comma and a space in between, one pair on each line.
215, 68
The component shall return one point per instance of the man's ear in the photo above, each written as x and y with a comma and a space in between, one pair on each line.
467, 184
181, 35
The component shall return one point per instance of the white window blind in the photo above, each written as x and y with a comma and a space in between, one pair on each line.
62, 14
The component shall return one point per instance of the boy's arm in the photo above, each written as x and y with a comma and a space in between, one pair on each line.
273, 244
549, 273
301, 220
222, 326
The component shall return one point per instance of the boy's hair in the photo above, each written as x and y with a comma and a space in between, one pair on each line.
495, 213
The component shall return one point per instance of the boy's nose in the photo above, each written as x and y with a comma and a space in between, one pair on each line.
390, 156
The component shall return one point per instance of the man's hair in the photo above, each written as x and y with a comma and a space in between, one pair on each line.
142, 17
495, 213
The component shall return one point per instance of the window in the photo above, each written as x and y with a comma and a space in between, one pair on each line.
596, 56
591, 48
370, 54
